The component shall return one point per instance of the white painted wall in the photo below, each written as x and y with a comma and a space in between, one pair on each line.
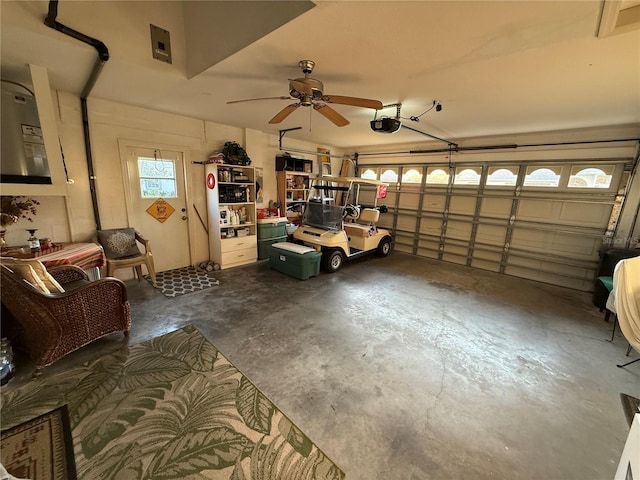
71, 218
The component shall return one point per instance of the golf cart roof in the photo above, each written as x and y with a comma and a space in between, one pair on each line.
364, 181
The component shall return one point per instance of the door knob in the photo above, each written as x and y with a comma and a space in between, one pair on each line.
184, 217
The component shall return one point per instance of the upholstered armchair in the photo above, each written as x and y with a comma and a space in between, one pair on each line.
74, 313
122, 251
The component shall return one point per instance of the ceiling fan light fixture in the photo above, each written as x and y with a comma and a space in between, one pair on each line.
308, 91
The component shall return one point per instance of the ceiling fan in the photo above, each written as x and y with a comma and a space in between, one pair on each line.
309, 92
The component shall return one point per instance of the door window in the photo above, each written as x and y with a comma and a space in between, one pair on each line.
157, 178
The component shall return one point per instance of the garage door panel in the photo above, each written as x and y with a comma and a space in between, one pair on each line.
540, 276
403, 242
386, 221
556, 243
408, 200
496, 207
587, 214
464, 205
544, 265
403, 248
430, 226
490, 265
527, 239
367, 197
390, 199
458, 230
479, 254
537, 210
491, 234
554, 236
434, 203
455, 254
407, 222
428, 252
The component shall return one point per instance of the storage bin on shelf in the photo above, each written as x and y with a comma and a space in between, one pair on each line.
295, 260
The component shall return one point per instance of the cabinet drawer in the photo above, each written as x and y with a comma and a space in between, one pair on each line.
239, 256
238, 243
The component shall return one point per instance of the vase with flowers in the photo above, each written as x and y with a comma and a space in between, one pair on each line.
12, 209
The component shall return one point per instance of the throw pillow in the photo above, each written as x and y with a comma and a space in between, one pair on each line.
50, 282
28, 274
119, 243
43, 279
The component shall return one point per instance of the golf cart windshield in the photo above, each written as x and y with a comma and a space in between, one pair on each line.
326, 204
330, 197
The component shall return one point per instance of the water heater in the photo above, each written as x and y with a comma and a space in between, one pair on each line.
24, 159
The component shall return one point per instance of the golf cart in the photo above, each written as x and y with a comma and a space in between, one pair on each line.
335, 223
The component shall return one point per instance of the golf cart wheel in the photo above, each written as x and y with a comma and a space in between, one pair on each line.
332, 260
384, 247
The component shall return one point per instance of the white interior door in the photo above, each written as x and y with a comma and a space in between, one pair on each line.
158, 205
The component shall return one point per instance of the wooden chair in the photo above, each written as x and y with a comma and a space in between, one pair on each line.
116, 261
56, 324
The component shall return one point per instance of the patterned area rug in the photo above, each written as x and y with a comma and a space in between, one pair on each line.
170, 408
174, 283
40, 448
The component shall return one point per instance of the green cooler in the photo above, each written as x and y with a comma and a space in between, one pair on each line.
270, 230
295, 260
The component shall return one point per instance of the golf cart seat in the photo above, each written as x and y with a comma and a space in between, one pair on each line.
368, 218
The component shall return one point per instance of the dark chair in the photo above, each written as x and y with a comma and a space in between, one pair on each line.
56, 324
122, 251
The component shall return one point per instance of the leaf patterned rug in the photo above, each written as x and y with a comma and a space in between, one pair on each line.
170, 408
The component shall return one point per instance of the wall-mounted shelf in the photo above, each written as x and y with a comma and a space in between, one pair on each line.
292, 164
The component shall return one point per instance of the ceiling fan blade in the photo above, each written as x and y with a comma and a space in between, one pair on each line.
354, 101
284, 113
331, 114
261, 98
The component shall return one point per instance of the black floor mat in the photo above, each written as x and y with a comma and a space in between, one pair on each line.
174, 283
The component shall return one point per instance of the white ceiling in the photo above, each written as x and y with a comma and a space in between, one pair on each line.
497, 68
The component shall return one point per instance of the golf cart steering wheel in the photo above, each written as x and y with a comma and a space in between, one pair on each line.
351, 211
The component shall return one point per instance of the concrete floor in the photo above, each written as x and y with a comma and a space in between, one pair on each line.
409, 368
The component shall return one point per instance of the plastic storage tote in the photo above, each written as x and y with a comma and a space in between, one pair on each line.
263, 246
295, 260
271, 227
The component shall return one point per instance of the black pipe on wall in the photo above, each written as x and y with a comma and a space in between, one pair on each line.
103, 56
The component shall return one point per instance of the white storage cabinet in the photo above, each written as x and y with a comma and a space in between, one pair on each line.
231, 210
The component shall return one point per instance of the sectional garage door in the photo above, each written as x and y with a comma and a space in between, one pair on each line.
541, 220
